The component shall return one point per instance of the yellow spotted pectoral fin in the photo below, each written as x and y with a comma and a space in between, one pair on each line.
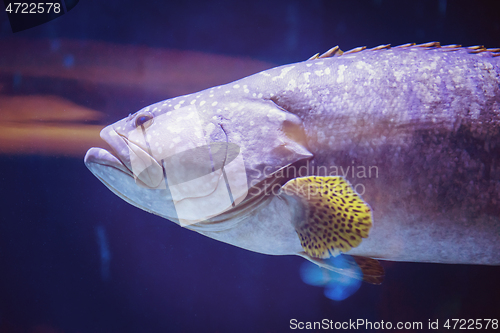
336, 218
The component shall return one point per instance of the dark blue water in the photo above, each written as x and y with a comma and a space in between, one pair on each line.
76, 258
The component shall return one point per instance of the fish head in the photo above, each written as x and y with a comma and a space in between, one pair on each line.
194, 157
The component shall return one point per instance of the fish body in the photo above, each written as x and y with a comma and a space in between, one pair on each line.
413, 130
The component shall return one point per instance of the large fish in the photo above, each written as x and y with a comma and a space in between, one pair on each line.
278, 162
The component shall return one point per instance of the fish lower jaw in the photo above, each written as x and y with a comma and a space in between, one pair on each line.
104, 158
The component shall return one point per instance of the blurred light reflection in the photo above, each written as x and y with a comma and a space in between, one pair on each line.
338, 286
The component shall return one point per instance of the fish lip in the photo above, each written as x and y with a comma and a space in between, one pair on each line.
110, 158
106, 158
123, 151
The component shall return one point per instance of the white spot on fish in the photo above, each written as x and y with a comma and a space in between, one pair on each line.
284, 71
202, 103
236, 86
209, 128
319, 63
360, 65
340, 73
259, 95
291, 85
306, 76
193, 101
327, 70
398, 75
475, 110
214, 103
174, 129
227, 91
276, 115
177, 106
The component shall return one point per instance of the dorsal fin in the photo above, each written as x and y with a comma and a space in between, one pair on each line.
428, 44
380, 47
314, 57
357, 49
405, 45
335, 51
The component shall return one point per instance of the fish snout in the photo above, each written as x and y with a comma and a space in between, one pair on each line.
136, 157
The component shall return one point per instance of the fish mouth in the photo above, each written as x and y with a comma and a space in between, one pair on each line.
112, 168
105, 158
129, 158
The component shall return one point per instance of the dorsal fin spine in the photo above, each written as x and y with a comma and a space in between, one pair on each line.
335, 51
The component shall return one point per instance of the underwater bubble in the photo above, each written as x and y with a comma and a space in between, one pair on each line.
104, 251
313, 275
338, 285
55, 45
69, 61
341, 287
342, 261
17, 79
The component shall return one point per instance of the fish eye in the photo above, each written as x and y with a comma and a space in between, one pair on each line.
143, 119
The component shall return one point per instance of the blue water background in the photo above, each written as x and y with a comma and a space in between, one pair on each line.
76, 258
